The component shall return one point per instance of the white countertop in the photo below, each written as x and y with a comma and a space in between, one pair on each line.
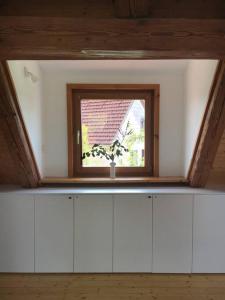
111, 190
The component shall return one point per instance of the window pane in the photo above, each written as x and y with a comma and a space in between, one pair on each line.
105, 121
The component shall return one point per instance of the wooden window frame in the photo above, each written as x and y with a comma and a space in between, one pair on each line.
151, 168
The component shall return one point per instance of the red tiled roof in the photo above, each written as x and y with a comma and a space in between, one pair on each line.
103, 119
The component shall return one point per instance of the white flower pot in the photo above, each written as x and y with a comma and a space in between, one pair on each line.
112, 169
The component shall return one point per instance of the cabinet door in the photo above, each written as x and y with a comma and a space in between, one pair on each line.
53, 233
172, 233
16, 233
93, 233
209, 234
132, 233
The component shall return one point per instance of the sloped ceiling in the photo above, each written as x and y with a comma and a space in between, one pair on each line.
9, 171
217, 174
17, 164
219, 162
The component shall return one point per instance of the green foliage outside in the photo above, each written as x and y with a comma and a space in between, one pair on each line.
134, 159
127, 155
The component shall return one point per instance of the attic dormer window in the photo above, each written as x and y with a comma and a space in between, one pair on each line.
103, 114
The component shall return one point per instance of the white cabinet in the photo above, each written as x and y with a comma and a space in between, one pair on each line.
16, 233
53, 233
132, 233
209, 234
179, 233
172, 233
93, 233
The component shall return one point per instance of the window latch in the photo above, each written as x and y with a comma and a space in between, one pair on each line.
78, 137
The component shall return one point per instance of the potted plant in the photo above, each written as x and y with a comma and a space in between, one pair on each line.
116, 149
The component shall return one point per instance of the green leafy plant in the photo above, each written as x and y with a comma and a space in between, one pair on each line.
116, 149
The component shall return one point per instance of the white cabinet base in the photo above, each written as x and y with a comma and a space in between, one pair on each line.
93, 234
16, 233
209, 234
172, 233
132, 233
105, 233
54, 233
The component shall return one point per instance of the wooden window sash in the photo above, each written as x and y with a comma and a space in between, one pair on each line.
150, 93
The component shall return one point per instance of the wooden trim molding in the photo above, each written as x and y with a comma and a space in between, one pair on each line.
150, 92
211, 131
15, 131
113, 86
118, 180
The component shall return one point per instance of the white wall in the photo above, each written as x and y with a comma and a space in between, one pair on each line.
171, 80
184, 88
30, 100
198, 79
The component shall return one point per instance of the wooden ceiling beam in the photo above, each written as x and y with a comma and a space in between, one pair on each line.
14, 134
211, 131
132, 8
122, 8
69, 38
206, 9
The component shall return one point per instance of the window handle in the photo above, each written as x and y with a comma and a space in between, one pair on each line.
78, 137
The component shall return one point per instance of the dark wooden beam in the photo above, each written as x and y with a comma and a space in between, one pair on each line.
14, 134
132, 8
122, 8
68, 38
10, 170
211, 131
199, 9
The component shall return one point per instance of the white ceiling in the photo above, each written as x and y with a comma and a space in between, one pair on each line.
132, 65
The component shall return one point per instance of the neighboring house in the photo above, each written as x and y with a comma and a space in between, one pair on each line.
136, 117
106, 120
